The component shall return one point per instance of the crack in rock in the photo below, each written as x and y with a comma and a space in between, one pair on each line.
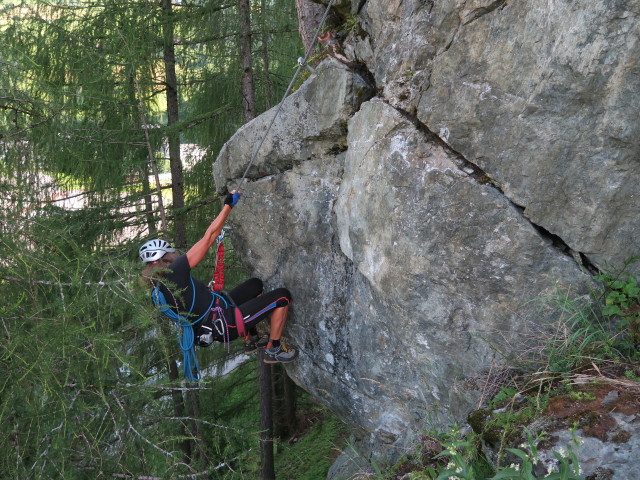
478, 175
474, 14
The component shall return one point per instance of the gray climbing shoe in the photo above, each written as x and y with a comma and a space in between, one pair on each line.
253, 343
280, 354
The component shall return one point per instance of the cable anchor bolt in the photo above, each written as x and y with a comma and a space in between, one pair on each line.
303, 63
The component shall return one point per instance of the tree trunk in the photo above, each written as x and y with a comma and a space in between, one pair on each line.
309, 16
178, 406
284, 402
279, 426
193, 407
171, 84
144, 169
267, 471
290, 404
268, 90
248, 98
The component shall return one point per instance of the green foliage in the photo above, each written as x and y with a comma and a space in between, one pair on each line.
350, 23
578, 337
621, 290
621, 295
66, 372
505, 394
462, 462
582, 396
622, 305
232, 403
87, 391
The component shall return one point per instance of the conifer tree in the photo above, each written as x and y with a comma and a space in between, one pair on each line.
82, 103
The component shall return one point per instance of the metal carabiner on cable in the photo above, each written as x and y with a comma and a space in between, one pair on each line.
220, 237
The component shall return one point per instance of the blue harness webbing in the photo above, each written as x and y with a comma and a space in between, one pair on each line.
186, 336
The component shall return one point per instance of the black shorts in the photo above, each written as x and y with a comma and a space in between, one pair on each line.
256, 305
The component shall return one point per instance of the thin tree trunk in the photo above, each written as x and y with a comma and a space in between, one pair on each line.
248, 98
284, 402
148, 203
268, 91
179, 408
177, 178
154, 168
193, 405
290, 404
277, 407
144, 169
171, 83
267, 471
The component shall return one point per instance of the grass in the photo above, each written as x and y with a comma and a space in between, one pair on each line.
310, 456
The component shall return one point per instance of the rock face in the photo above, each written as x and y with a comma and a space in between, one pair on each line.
416, 220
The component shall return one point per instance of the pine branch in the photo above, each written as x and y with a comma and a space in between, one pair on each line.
34, 125
134, 430
205, 422
226, 36
120, 281
192, 122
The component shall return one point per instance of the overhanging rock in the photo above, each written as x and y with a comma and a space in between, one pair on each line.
310, 123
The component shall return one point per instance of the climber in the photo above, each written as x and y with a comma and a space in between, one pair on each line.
219, 316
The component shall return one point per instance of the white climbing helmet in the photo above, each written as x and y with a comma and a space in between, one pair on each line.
154, 250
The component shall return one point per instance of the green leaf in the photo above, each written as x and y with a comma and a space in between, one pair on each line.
610, 310
519, 453
507, 473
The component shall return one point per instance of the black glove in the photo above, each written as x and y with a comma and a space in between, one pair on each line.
232, 199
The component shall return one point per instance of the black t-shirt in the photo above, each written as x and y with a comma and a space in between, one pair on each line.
178, 290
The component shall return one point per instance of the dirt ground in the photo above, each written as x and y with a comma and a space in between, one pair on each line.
589, 407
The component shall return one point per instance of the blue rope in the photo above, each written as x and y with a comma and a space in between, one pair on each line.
186, 336
190, 361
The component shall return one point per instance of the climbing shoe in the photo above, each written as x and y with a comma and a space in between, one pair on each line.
253, 343
279, 354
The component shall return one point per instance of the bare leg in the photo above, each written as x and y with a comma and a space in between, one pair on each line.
278, 321
278, 353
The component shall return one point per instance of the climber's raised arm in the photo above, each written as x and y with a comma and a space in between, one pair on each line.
202, 246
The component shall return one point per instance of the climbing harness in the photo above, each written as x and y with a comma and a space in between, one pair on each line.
186, 336
229, 305
220, 302
302, 62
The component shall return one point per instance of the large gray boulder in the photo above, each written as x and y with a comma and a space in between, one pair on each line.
417, 229
542, 96
407, 271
